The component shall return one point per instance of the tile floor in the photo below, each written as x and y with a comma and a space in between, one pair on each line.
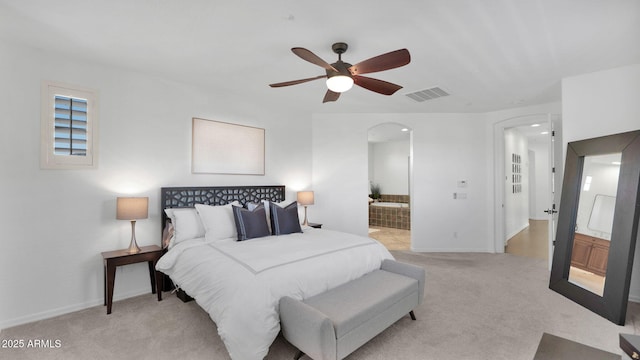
393, 239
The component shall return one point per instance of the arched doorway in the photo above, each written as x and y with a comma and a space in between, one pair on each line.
389, 173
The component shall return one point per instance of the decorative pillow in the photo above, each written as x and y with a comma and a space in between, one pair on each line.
250, 223
186, 224
218, 221
252, 206
267, 208
284, 220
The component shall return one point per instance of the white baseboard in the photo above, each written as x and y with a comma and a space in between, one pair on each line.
66, 309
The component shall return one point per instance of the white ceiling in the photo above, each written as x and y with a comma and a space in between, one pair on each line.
538, 132
489, 55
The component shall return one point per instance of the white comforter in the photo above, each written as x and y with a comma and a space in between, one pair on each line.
240, 283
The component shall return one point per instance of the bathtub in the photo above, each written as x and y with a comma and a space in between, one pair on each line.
390, 204
390, 214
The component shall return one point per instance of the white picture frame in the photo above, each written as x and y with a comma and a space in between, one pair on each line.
225, 148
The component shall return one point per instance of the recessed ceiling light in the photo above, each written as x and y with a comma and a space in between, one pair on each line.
535, 125
404, 129
544, 133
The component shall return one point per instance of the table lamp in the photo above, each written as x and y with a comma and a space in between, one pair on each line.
305, 198
132, 208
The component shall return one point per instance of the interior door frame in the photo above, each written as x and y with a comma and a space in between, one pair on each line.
556, 159
499, 173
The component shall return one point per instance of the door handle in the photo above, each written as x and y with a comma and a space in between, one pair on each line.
551, 211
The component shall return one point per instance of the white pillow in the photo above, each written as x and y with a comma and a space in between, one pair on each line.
218, 221
186, 224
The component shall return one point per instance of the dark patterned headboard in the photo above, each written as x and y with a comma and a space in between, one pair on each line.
181, 197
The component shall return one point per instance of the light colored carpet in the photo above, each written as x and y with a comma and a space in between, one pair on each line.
477, 306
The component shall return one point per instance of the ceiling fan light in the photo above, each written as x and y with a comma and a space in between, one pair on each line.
339, 83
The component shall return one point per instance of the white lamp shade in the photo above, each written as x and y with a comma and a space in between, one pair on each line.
305, 197
339, 83
132, 208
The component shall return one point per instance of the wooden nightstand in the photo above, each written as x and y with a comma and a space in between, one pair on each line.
315, 225
113, 259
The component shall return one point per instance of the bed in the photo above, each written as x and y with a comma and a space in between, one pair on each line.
239, 283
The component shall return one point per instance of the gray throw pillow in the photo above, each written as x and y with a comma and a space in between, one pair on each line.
284, 220
250, 223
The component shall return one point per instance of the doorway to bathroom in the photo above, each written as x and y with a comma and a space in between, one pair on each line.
390, 168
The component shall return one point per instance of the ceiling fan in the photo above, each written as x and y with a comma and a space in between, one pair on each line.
341, 75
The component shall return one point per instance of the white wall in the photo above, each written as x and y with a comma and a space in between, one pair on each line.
370, 165
541, 194
390, 166
446, 148
55, 223
603, 103
516, 204
532, 182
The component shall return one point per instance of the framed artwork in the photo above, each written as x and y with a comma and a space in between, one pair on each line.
224, 148
516, 176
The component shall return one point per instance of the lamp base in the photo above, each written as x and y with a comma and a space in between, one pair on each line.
305, 222
133, 246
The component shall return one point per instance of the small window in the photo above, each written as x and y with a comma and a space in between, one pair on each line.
69, 127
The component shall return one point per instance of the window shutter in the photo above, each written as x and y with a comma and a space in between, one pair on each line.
68, 127
70, 134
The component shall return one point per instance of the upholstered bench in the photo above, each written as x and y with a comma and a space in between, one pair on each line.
335, 323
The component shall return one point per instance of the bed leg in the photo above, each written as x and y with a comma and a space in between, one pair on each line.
413, 316
299, 354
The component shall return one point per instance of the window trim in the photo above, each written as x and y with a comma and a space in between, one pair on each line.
48, 158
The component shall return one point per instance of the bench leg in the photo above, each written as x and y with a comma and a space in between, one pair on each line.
413, 316
299, 354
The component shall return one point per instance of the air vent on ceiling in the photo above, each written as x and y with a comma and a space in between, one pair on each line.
427, 94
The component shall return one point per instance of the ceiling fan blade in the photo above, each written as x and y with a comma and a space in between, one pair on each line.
330, 96
307, 55
295, 82
390, 60
379, 86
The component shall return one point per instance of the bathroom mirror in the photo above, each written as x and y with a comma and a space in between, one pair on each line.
590, 239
